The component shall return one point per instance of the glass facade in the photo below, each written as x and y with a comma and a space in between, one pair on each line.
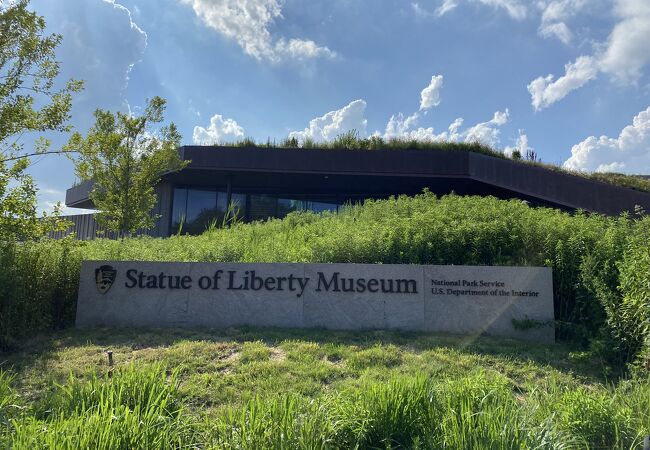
195, 210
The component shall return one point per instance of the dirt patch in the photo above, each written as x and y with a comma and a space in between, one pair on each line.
277, 354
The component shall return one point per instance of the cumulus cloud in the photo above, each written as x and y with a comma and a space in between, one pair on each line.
430, 95
623, 56
248, 22
546, 91
405, 127
402, 127
329, 126
521, 146
488, 132
628, 153
220, 130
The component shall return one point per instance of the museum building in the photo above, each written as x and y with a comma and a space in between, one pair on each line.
260, 183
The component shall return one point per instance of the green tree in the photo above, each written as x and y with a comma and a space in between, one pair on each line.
125, 157
29, 103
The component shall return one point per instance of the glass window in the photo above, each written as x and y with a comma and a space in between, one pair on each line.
320, 206
237, 208
262, 207
178, 211
201, 210
285, 206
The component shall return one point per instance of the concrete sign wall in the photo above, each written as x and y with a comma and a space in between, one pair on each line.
452, 299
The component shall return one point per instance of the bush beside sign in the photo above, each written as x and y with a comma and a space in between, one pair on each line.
451, 299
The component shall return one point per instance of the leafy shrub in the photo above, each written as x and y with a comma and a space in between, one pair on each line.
630, 313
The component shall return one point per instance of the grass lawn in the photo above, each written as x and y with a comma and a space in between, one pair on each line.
232, 366
272, 388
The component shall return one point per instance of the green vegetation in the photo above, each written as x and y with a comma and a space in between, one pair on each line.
125, 157
598, 268
29, 103
308, 389
352, 141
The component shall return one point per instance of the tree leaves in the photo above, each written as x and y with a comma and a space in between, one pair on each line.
28, 70
125, 157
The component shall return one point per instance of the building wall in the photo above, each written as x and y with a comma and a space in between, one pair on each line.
86, 227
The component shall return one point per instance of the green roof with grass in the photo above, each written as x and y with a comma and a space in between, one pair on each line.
352, 141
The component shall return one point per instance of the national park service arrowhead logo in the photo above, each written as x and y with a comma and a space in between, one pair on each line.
104, 277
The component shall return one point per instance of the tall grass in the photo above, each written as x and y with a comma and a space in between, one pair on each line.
586, 253
482, 410
136, 408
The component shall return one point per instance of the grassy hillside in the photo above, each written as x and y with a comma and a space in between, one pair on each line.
315, 389
292, 389
600, 265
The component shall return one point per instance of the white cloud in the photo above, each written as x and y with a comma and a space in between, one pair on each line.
447, 5
545, 91
623, 56
554, 17
300, 49
248, 23
558, 30
629, 153
488, 132
401, 127
50, 198
521, 145
329, 126
430, 95
628, 49
514, 8
221, 130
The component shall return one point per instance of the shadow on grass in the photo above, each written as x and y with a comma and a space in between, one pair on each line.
560, 356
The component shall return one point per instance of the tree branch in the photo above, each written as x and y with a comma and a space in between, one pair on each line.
29, 155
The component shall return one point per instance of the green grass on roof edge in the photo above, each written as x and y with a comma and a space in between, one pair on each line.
352, 141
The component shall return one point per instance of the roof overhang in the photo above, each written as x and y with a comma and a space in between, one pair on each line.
355, 174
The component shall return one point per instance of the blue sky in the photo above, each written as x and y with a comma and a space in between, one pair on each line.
568, 78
